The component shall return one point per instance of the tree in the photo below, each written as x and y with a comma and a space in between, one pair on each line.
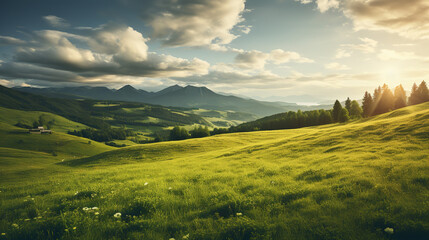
414, 98
423, 92
355, 110
348, 104
200, 132
344, 115
377, 95
400, 97
325, 117
367, 105
178, 133
336, 111
386, 101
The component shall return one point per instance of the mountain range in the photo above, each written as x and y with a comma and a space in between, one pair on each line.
173, 96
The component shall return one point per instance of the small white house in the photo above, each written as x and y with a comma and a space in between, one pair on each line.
40, 130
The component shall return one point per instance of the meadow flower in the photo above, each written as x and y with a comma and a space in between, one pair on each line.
95, 208
3, 234
66, 230
117, 215
388, 230
76, 193
15, 225
170, 188
239, 214
171, 239
74, 228
186, 236
96, 213
85, 209
146, 183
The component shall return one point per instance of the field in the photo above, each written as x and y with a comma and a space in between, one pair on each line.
367, 179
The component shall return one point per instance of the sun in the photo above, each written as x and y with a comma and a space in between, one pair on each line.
390, 75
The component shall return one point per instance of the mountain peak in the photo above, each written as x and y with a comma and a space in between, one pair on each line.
127, 88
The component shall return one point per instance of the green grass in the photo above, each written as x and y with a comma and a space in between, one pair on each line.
338, 181
60, 124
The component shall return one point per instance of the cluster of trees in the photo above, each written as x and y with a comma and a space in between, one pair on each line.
384, 100
180, 133
103, 135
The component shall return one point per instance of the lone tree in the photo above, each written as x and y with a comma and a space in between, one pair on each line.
367, 105
355, 110
336, 111
400, 97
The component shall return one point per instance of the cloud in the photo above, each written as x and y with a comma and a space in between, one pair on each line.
336, 66
325, 5
304, 1
195, 23
112, 50
55, 21
408, 18
252, 59
279, 56
386, 54
256, 59
342, 53
6, 40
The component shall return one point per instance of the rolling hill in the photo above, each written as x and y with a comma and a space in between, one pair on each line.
367, 179
175, 96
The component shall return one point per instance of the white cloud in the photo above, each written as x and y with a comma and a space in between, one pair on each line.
304, 1
112, 51
251, 59
256, 59
55, 21
5, 83
325, 5
6, 40
196, 23
407, 18
279, 56
386, 54
342, 53
336, 66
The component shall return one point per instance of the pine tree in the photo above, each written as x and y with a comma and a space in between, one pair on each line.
325, 117
423, 92
344, 115
336, 111
348, 104
367, 105
377, 94
355, 110
386, 102
400, 97
414, 98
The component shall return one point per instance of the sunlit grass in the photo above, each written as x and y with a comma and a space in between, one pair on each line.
364, 180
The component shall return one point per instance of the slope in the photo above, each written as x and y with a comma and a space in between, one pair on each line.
338, 181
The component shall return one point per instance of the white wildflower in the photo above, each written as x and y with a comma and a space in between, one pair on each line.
96, 213
117, 215
85, 209
146, 183
388, 230
170, 188
239, 214
95, 208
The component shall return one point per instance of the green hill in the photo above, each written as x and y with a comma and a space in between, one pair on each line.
337, 181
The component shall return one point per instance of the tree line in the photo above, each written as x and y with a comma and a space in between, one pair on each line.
103, 135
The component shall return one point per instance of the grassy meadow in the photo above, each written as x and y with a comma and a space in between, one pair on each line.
367, 179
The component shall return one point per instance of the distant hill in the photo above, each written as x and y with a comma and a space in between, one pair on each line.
175, 96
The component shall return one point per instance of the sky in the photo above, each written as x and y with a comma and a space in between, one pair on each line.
305, 51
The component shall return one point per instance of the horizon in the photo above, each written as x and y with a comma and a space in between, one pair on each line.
272, 51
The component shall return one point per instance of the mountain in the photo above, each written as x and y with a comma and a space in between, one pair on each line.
175, 96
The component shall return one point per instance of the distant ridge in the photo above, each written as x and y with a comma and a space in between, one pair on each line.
174, 96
